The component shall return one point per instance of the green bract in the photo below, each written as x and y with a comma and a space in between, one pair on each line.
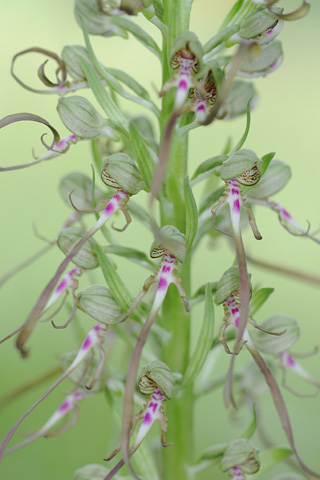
274, 179
81, 118
96, 22
70, 55
80, 186
268, 60
276, 344
120, 171
237, 100
169, 239
98, 302
87, 257
156, 373
258, 22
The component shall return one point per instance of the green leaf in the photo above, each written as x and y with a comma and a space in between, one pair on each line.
104, 98
219, 38
191, 214
204, 341
211, 199
142, 36
143, 155
258, 298
131, 254
207, 167
270, 458
252, 427
266, 159
245, 133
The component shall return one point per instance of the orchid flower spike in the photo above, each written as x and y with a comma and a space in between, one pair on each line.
70, 404
156, 380
95, 338
204, 94
185, 61
241, 168
227, 293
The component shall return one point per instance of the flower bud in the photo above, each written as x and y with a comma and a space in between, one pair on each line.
269, 60
242, 164
120, 171
261, 26
87, 257
187, 47
274, 179
156, 373
241, 453
98, 302
169, 239
228, 283
71, 55
237, 101
81, 187
97, 23
275, 344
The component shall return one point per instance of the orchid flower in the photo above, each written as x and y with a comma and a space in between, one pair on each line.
94, 338
153, 376
69, 405
68, 281
204, 94
185, 61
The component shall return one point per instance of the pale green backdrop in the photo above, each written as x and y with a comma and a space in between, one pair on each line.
286, 120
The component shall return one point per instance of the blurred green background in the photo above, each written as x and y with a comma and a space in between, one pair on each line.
286, 121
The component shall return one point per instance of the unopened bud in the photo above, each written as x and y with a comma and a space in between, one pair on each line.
241, 453
87, 257
98, 302
120, 171
275, 344
169, 239
154, 374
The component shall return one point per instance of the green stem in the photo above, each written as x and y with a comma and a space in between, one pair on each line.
173, 211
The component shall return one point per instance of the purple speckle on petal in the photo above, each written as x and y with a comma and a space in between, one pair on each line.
153, 406
117, 197
236, 322
162, 283
86, 344
96, 328
109, 207
147, 419
201, 108
291, 361
183, 85
62, 286
234, 311
234, 191
166, 269
65, 406
62, 143
236, 206
285, 214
